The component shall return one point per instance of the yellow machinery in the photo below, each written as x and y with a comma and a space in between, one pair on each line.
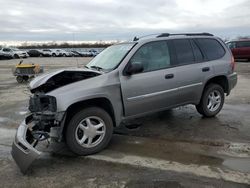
25, 71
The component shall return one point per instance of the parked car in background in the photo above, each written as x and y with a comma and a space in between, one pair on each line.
75, 53
56, 52
64, 53
4, 55
87, 54
240, 48
81, 54
15, 53
35, 53
93, 52
46, 52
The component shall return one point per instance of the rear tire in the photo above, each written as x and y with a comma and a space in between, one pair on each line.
26, 78
16, 56
211, 101
89, 131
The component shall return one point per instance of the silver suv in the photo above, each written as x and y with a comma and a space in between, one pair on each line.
125, 81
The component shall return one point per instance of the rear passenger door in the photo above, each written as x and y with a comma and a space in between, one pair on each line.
207, 53
189, 74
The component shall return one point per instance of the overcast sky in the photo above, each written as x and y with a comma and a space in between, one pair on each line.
112, 19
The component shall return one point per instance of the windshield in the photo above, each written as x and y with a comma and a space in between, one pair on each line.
109, 58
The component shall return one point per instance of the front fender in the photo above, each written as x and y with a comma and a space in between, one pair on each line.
115, 102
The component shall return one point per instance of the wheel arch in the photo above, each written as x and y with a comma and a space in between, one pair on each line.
100, 102
220, 80
16, 56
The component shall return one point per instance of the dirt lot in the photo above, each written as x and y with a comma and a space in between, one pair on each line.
175, 148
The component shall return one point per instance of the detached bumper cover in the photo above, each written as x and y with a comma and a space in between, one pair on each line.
22, 152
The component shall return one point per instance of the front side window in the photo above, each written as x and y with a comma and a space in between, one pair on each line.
6, 50
153, 56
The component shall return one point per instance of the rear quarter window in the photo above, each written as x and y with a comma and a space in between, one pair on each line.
211, 48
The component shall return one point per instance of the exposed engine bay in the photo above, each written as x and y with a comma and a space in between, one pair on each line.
64, 78
44, 107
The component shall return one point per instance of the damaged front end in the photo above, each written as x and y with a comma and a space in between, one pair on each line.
40, 125
45, 122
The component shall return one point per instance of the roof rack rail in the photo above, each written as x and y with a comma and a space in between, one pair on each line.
174, 34
186, 34
138, 38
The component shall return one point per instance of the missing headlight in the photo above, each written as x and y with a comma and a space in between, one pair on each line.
42, 103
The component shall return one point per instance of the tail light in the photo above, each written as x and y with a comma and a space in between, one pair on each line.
232, 63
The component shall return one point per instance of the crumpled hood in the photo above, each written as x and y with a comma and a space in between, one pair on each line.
53, 80
36, 82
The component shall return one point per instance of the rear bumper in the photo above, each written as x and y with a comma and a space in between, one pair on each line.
232, 81
23, 152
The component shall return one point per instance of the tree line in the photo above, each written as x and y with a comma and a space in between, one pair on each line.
65, 45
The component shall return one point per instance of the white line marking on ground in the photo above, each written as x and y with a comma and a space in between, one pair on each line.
198, 170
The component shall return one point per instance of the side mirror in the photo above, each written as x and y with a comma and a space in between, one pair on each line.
133, 68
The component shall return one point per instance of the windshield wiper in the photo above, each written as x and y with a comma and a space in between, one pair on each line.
96, 67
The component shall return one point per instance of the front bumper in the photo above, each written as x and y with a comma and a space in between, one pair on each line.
22, 151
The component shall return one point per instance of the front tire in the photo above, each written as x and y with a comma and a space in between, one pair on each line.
89, 131
19, 79
212, 100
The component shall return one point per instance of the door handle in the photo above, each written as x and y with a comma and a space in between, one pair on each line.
205, 69
169, 76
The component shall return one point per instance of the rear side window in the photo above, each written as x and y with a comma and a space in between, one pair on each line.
184, 52
197, 52
6, 50
211, 48
243, 44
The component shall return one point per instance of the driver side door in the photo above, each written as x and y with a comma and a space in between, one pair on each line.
154, 88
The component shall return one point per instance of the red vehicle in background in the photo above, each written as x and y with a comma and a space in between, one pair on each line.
240, 48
